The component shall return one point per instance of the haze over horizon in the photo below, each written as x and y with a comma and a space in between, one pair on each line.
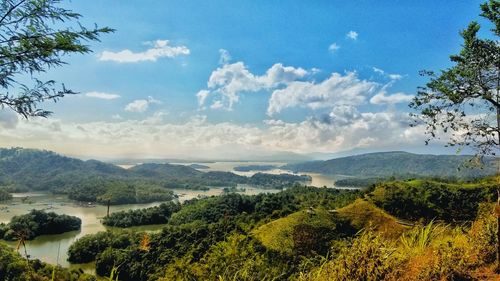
224, 80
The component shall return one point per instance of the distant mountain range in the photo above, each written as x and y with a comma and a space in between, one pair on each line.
398, 163
31, 169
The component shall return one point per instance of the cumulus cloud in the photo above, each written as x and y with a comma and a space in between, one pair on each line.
159, 49
383, 98
353, 35
338, 89
333, 47
227, 82
141, 105
343, 128
101, 95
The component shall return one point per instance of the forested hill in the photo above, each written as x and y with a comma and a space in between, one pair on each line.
30, 169
398, 163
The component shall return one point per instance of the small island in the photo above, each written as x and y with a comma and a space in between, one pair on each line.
198, 166
37, 223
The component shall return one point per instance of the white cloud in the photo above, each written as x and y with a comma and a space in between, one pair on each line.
336, 90
333, 47
141, 105
227, 82
395, 76
388, 75
160, 49
225, 57
137, 106
343, 128
202, 96
217, 105
352, 35
101, 95
383, 98
378, 70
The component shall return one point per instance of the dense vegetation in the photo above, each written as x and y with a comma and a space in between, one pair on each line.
95, 181
358, 182
37, 223
305, 233
4, 195
118, 192
201, 226
428, 200
400, 164
14, 268
153, 215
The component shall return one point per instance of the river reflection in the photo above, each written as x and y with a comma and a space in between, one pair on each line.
54, 248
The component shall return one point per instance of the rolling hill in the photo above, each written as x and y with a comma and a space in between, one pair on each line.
398, 163
30, 169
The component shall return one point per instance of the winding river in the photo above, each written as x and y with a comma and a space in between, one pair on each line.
53, 248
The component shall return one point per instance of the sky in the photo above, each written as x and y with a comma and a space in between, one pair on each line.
245, 79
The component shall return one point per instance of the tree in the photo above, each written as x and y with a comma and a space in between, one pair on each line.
462, 103
34, 37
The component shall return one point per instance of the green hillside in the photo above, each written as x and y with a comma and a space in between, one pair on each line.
398, 163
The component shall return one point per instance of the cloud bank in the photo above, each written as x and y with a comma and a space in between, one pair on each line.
159, 49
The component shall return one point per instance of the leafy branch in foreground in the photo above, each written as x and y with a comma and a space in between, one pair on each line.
33, 39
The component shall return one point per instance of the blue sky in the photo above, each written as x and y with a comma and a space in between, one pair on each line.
300, 76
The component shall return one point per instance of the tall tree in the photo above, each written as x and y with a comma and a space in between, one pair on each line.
462, 103
34, 37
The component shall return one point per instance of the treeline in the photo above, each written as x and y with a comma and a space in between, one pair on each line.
5, 195
198, 228
14, 268
433, 200
153, 215
249, 168
37, 223
30, 169
118, 192
290, 234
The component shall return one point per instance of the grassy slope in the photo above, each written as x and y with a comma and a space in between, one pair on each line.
277, 235
363, 214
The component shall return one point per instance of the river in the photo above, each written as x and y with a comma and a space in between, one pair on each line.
53, 248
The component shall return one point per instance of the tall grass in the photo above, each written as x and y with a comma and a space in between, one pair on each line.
420, 237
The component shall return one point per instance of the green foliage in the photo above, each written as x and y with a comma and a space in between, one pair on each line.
37, 223
154, 215
118, 192
420, 238
423, 199
88, 247
35, 36
370, 257
14, 268
465, 97
304, 233
239, 257
399, 164
5, 195
190, 237
95, 181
